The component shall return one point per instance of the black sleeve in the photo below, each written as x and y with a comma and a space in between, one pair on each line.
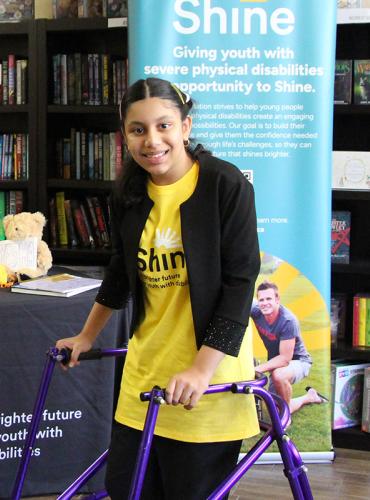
114, 291
240, 268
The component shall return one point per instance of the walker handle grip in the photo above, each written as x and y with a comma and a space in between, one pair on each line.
84, 356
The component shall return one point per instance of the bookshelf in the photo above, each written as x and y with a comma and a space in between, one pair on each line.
70, 36
20, 40
351, 129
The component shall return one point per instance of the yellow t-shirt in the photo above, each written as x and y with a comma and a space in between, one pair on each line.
164, 343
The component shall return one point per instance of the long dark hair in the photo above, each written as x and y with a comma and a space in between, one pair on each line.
130, 186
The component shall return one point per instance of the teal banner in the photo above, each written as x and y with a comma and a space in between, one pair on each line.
262, 76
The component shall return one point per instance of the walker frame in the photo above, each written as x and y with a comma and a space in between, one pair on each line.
294, 468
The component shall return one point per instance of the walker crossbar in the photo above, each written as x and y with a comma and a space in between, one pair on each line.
278, 410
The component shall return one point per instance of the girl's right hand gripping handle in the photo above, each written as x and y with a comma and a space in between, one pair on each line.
92, 354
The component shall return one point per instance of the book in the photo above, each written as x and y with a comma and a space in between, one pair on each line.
340, 236
2, 214
351, 170
61, 219
361, 81
90, 8
343, 81
64, 8
59, 285
361, 321
347, 390
72, 237
367, 324
356, 303
115, 8
337, 317
18, 254
365, 419
80, 224
16, 10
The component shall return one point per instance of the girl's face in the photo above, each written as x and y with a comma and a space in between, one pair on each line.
155, 135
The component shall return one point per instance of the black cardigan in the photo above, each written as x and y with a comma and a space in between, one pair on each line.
218, 225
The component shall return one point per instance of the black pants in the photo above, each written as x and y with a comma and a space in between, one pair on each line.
176, 470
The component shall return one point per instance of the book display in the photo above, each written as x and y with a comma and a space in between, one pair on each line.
81, 149
18, 117
351, 193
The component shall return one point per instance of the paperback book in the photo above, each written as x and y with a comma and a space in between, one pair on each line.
343, 81
19, 254
347, 389
340, 236
59, 285
365, 422
16, 10
361, 75
361, 320
351, 170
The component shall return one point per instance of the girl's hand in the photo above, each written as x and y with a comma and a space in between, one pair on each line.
77, 345
187, 387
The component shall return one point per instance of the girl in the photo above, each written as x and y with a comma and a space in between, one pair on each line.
186, 253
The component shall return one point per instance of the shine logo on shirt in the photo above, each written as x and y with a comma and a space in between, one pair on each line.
155, 259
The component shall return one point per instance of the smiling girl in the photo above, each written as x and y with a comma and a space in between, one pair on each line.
186, 254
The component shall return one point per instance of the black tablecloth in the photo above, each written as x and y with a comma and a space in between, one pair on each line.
76, 424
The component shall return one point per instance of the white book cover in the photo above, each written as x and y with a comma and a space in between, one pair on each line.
59, 285
353, 11
351, 170
19, 254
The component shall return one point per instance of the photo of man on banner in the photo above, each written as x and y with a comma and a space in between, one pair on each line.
288, 359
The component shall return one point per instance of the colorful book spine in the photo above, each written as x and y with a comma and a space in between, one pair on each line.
11, 79
362, 321
72, 237
61, 219
355, 339
2, 214
367, 335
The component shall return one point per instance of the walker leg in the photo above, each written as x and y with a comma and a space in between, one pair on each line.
295, 470
36, 418
294, 467
156, 399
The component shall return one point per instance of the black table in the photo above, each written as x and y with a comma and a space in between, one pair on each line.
77, 419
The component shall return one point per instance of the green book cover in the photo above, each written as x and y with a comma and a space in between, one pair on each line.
2, 214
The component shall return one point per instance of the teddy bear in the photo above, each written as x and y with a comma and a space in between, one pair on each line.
25, 225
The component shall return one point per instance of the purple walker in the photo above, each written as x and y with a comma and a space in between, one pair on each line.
278, 410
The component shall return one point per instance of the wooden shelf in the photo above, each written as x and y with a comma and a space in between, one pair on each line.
80, 184
359, 267
347, 194
352, 109
347, 351
16, 108
351, 437
53, 108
